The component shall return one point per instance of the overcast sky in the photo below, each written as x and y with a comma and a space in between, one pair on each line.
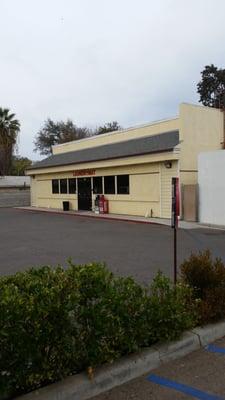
95, 61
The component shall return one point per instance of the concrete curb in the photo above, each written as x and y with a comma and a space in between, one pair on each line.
182, 224
97, 217
210, 333
79, 387
171, 351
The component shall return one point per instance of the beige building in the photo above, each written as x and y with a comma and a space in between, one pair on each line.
132, 167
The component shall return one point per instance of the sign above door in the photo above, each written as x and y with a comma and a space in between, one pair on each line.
84, 172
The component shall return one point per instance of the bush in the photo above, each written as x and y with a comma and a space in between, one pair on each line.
56, 322
112, 310
37, 337
172, 309
207, 278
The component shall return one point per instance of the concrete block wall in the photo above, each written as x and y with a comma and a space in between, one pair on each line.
14, 198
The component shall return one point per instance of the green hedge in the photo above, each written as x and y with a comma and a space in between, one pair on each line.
56, 322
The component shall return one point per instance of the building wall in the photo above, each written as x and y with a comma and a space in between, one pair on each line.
166, 188
119, 136
201, 129
211, 182
145, 190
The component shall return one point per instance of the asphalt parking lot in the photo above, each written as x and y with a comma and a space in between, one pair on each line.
33, 239
199, 375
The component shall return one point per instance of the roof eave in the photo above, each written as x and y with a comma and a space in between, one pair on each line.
101, 159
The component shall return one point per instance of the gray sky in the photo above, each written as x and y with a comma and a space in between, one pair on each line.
95, 61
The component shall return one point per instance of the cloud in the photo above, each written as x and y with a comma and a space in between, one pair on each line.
96, 61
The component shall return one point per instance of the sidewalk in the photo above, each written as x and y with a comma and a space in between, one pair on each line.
117, 217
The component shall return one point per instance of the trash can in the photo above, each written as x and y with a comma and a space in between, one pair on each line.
66, 205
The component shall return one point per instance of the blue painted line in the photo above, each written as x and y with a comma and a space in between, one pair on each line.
215, 349
198, 394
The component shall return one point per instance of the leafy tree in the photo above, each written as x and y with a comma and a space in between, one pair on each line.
19, 165
211, 88
108, 127
9, 129
56, 133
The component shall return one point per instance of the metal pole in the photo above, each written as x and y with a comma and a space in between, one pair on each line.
175, 254
174, 223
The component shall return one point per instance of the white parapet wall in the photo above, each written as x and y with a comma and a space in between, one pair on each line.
14, 181
211, 181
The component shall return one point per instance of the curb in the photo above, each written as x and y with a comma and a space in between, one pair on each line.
120, 219
198, 225
210, 333
212, 226
79, 387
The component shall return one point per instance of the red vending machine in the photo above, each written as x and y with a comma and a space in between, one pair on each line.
103, 205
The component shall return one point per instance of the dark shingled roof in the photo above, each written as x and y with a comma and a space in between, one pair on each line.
133, 147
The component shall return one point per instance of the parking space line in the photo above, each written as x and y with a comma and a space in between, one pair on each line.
215, 349
198, 394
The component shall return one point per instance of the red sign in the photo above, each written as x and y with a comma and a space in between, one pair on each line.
177, 197
175, 202
83, 172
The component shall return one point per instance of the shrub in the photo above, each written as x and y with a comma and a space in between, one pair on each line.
172, 309
37, 337
56, 322
207, 278
112, 311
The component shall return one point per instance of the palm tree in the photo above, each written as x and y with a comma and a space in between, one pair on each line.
9, 129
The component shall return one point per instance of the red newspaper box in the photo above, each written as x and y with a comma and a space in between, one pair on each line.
105, 206
101, 203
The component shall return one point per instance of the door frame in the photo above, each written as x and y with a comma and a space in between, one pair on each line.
88, 197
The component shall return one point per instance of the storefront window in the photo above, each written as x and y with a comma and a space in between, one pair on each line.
97, 185
123, 186
72, 185
109, 184
55, 186
63, 186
